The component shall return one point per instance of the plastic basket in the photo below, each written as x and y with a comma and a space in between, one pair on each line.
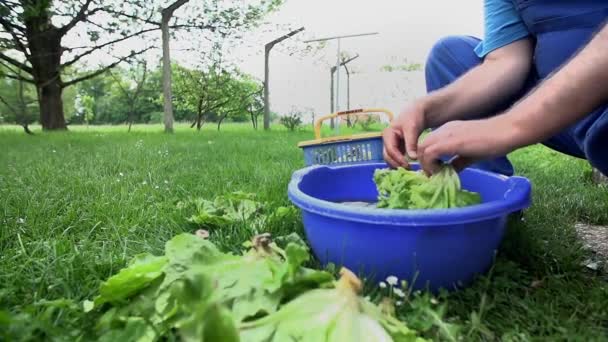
344, 149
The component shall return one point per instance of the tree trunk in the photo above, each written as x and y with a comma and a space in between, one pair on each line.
51, 105
219, 123
254, 120
199, 114
167, 13
167, 93
45, 47
266, 90
27, 129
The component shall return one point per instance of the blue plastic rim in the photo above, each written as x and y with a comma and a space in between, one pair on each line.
430, 249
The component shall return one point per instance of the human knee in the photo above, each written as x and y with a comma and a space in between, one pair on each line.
447, 47
449, 58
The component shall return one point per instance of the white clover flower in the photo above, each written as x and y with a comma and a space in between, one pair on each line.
21, 220
392, 280
382, 285
399, 303
156, 187
54, 151
144, 183
166, 181
121, 174
399, 293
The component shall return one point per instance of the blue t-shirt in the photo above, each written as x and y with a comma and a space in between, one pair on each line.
502, 26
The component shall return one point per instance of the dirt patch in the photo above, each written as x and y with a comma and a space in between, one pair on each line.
594, 239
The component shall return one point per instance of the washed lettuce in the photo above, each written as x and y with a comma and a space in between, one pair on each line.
407, 189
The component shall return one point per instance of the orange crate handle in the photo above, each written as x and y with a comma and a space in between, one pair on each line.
348, 112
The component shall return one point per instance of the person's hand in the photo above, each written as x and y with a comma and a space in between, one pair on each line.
401, 137
467, 141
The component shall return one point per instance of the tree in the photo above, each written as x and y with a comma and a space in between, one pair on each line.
33, 33
217, 90
166, 15
17, 103
228, 20
131, 91
204, 91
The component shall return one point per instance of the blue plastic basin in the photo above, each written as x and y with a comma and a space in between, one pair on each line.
431, 249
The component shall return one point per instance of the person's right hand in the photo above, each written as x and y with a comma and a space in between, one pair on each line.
401, 137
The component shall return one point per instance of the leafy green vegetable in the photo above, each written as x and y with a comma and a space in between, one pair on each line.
141, 271
195, 285
335, 314
407, 189
231, 208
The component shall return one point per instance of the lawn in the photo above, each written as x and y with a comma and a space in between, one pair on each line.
77, 206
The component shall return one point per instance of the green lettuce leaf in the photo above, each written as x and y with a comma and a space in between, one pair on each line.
142, 270
407, 189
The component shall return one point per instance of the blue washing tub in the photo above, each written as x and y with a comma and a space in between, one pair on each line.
431, 249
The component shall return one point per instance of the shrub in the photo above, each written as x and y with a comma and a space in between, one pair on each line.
292, 121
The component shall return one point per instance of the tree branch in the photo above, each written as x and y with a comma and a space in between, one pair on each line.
18, 43
102, 70
134, 17
95, 48
16, 63
168, 11
11, 108
81, 15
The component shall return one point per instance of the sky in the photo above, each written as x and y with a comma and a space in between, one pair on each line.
406, 31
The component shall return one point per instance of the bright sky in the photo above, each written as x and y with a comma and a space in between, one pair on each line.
407, 30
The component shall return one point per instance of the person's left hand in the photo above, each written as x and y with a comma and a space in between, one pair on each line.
467, 142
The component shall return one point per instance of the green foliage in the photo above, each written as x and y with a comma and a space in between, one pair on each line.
291, 121
111, 97
403, 65
407, 189
198, 292
216, 92
366, 122
18, 101
88, 108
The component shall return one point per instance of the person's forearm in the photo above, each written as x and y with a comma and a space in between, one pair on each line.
478, 91
574, 91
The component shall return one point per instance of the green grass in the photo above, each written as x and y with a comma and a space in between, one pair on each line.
76, 206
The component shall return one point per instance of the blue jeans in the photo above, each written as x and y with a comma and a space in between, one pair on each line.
453, 56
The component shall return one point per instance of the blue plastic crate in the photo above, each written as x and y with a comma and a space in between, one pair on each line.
342, 150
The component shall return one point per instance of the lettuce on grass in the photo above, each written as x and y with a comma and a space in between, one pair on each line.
327, 315
196, 291
407, 189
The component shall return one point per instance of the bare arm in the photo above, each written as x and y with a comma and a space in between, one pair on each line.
502, 73
573, 91
568, 95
